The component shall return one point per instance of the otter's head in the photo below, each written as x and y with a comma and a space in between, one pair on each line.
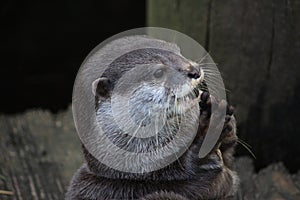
151, 88
154, 79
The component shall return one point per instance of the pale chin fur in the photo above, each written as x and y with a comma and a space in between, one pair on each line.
188, 104
183, 92
186, 88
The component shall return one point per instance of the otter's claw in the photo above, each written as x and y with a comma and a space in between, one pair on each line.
204, 96
229, 110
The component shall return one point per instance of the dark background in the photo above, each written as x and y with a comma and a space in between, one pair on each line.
44, 43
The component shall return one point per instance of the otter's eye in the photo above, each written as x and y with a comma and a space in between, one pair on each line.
158, 73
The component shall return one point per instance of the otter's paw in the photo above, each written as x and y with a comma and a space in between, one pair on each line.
205, 112
228, 137
205, 104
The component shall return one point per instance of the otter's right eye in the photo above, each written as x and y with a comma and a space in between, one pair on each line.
158, 73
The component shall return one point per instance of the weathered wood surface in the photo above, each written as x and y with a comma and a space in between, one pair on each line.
39, 154
271, 183
256, 45
41, 151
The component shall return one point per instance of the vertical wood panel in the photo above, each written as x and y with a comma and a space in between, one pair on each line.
256, 45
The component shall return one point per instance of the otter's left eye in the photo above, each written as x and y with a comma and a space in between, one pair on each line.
158, 73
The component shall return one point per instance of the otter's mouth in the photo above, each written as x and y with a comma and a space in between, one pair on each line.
186, 97
191, 96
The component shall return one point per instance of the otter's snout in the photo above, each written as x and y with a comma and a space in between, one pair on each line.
192, 72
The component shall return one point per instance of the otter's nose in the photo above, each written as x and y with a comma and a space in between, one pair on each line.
193, 72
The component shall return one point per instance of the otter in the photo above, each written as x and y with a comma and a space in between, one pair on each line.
163, 85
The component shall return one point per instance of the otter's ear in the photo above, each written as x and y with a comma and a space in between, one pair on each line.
100, 87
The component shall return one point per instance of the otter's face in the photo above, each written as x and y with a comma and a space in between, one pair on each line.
156, 81
145, 96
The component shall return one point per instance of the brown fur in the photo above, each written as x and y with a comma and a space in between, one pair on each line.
188, 178
96, 181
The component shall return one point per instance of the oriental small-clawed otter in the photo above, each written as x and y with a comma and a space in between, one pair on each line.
158, 84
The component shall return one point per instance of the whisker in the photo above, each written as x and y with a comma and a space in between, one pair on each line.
201, 59
156, 132
135, 132
247, 148
207, 63
245, 143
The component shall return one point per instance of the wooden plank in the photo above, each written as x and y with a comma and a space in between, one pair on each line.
40, 153
256, 46
272, 182
184, 16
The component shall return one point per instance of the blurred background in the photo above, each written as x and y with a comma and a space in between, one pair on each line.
254, 43
44, 43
